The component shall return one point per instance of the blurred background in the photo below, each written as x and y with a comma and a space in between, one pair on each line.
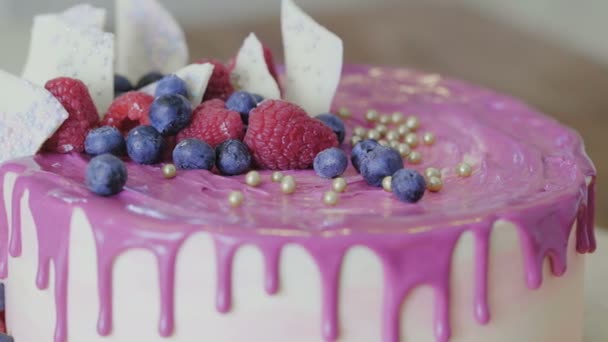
551, 53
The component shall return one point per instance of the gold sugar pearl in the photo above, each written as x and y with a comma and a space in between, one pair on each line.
414, 157
434, 184
428, 138
412, 139
339, 184
387, 184
344, 112
372, 115
392, 135
394, 144
236, 198
355, 140
397, 117
404, 149
432, 172
288, 185
331, 198
384, 119
359, 131
253, 178
464, 170
403, 130
412, 123
373, 134
383, 142
169, 171
382, 129
277, 176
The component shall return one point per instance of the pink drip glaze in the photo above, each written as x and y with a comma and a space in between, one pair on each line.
528, 169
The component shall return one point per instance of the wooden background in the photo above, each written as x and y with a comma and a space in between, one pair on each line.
460, 43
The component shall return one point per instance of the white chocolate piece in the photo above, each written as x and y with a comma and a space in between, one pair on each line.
197, 78
251, 73
313, 60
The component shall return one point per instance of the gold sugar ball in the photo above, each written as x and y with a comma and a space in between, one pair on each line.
169, 171
359, 131
432, 172
392, 135
373, 134
277, 176
383, 142
428, 138
387, 184
404, 149
253, 178
331, 198
403, 130
382, 129
394, 144
355, 140
434, 184
414, 157
412, 123
464, 170
339, 184
372, 115
384, 119
288, 185
344, 112
235, 198
412, 139
397, 117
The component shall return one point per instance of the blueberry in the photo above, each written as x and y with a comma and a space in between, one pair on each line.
330, 163
148, 79
233, 158
335, 123
169, 114
361, 150
1, 297
6, 338
105, 139
171, 85
106, 175
194, 154
408, 185
121, 85
242, 102
145, 145
380, 162
258, 98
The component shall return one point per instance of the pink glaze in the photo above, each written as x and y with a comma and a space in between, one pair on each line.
528, 169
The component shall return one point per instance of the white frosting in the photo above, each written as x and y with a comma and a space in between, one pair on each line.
313, 60
29, 115
251, 73
62, 45
197, 78
552, 313
148, 39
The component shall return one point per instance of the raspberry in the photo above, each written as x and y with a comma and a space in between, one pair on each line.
282, 136
219, 86
75, 98
129, 111
213, 124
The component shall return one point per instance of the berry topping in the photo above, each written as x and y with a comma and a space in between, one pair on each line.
169, 114
106, 175
103, 140
233, 158
360, 151
408, 185
214, 124
129, 111
282, 136
75, 98
171, 85
242, 102
6, 338
148, 79
330, 163
335, 123
121, 85
194, 154
258, 98
382, 161
219, 86
145, 145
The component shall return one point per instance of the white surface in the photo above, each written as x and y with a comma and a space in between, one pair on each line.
196, 77
596, 292
62, 47
251, 72
313, 60
29, 115
519, 314
148, 39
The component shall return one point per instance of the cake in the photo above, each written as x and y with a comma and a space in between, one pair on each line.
493, 252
